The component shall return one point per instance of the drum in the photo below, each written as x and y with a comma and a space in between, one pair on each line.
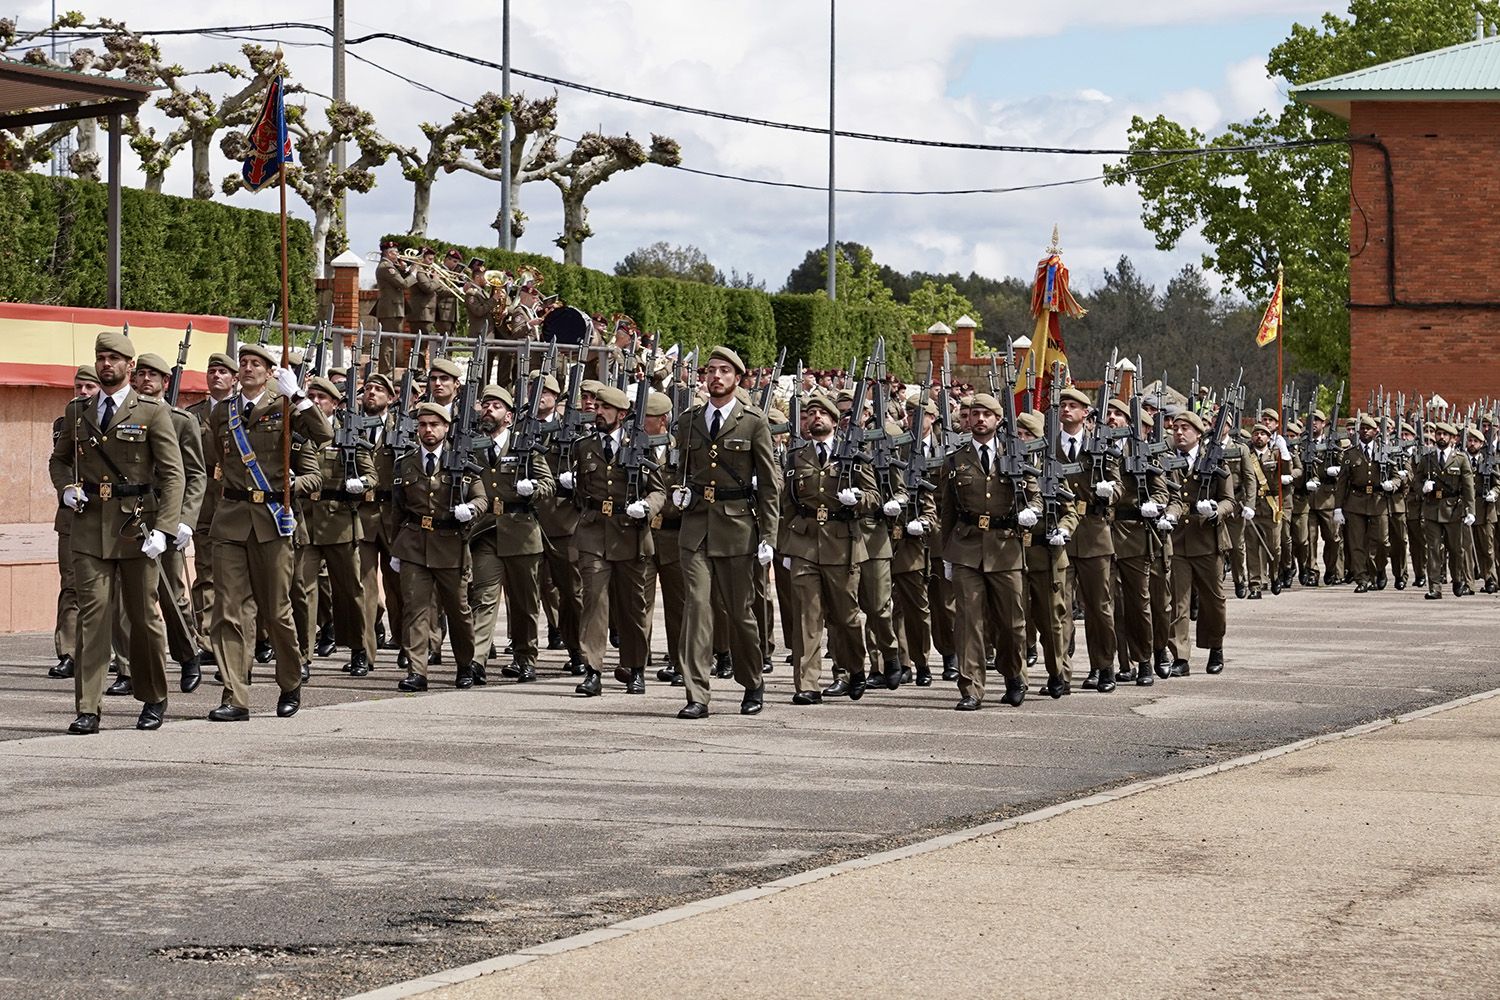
567, 325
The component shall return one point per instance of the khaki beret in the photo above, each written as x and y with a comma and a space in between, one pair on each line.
1407, 428
592, 386
1319, 415
985, 401
1192, 418
1118, 406
257, 350
1269, 413
326, 386
844, 396
154, 362
724, 354
86, 373
222, 360
295, 357
610, 396
929, 407
1262, 428
383, 380
1076, 394
658, 404
776, 416
1365, 420
1446, 428
334, 373
499, 392
1032, 423
445, 366
1477, 433
1295, 427
893, 429
549, 384
116, 343
819, 400
434, 410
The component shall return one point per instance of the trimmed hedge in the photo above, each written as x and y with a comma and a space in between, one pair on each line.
176, 254
755, 323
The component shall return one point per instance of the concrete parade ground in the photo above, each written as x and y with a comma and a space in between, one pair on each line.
379, 839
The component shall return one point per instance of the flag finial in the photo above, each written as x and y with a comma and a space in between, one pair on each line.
1055, 248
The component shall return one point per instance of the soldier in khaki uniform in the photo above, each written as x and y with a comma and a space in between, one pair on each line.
665, 526
559, 519
393, 276
445, 313
985, 533
254, 559
1138, 543
117, 465
614, 545
1090, 545
378, 519
1447, 509
1263, 530
1321, 477
727, 491
431, 553
1242, 485
1362, 505
506, 544
65, 633
1049, 601
479, 300
823, 547
220, 376
1485, 496
1199, 540
911, 563
421, 305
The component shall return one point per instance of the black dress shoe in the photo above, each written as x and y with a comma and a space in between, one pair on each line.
1400, 583
1433, 595
857, 685
1015, 693
723, 665
1031, 655
893, 675
206, 658
807, 698
510, 650
1239, 589
63, 669
767, 666
838, 688
263, 651
575, 667
622, 674
591, 686
1215, 661
1163, 664
1106, 681
412, 682
379, 633
875, 681
511, 670
1276, 586
665, 674
359, 664
1467, 591
1418, 580
481, 677
924, 676
121, 686
403, 662
527, 674
463, 679
967, 704
192, 675
1379, 583
306, 671
1255, 593
289, 702
435, 658
228, 713
325, 644
635, 683
554, 639
1361, 588
753, 701
1179, 668
950, 668
87, 724
1125, 674
1091, 682
693, 710
1057, 687
1143, 677
114, 665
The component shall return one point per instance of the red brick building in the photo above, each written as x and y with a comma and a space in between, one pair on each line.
1424, 281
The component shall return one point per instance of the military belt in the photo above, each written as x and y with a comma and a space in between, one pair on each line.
666, 523
339, 495
989, 522
375, 496
823, 514
252, 496
105, 491
434, 523
715, 494
510, 507
607, 506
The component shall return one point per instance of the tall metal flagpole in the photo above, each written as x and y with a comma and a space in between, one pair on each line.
1281, 381
832, 266
286, 322
505, 209
340, 152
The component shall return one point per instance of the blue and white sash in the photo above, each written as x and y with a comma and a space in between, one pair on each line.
285, 524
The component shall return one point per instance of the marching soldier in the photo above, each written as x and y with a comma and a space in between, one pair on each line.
910, 560
1048, 597
1416, 538
1321, 475
220, 376
252, 532
1242, 488
1447, 508
1485, 496
1199, 541
65, 634
1138, 543
1362, 505
665, 527
118, 466
614, 544
443, 379
379, 522
559, 519
393, 276
430, 552
728, 495
1264, 528
985, 528
1090, 545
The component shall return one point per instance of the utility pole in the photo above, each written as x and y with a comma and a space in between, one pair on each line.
832, 138
505, 209
339, 154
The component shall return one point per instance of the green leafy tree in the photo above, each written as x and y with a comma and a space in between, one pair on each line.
1289, 206
664, 260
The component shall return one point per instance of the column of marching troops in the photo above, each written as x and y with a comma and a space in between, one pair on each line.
752, 530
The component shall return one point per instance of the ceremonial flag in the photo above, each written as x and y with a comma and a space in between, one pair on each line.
1270, 323
270, 146
1050, 299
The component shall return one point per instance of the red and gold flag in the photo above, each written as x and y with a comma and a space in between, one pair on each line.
1270, 323
1050, 300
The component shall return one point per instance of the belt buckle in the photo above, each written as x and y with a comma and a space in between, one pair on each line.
896, 531
369, 496
984, 522
315, 497
497, 506
656, 521
1369, 489
106, 490
607, 508
257, 496
1437, 494
218, 472
822, 515
427, 523
708, 493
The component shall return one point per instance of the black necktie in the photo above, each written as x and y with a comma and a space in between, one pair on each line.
109, 413
609, 448
494, 452
984, 458
713, 427
1072, 449
431, 464
822, 453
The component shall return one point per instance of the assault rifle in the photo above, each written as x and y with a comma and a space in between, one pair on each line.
764, 400
846, 445
527, 434
1098, 444
374, 359
458, 457
174, 383
349, 437
1210, 464
883, 455
571, 428
952, 440
637, 448
1013, 463
682, 398
404, 436
1052, 483
794, 428
918, 464
1170, 459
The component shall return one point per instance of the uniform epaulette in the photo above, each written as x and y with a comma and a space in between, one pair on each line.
149, 399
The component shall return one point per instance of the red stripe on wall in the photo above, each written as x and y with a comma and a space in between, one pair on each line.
61, 376
112, 318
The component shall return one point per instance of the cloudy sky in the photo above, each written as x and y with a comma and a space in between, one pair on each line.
1061, 73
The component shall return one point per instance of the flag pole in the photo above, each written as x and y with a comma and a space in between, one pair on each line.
286, 331
1280, 381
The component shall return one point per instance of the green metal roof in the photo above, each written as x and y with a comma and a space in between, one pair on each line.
1466, 72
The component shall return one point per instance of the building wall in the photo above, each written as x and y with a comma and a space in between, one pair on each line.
1446, 182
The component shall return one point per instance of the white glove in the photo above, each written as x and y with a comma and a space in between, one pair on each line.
1286, 480
525, 487
395, 565
184, 536
1206, 508
1165, 524
1150, 509
1333, 470
74, 498
786, 562
1026, 518
1492, 496
565, 480
681, 497
1104, 489
1057, 538
947, 570
637, 510
1338, 516
1389, 485
354, 486
1429, 486
764, 554
1248, 513
464, 512
1312, 485
1468, 520
286, 381
916, 527
849, 497
892, 508
156, 543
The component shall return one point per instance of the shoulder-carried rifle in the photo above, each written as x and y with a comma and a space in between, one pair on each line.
1052, 483
404, 436
174, 383
846, 445
1210, 464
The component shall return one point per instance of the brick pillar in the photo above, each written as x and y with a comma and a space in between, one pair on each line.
346, 303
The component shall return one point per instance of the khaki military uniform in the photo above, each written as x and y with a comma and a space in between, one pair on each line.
666, 526
203, 549
379, 522
65, 630
1263, 535
506, 548
563, 584
1366, 505
329, 533
1138, 546
479, 307
142, 492
1486, 515
421, 305
391, 283
1090, 553
1198, 547
911, 566
445, 311
1443, 511
1049, 601
1320, 504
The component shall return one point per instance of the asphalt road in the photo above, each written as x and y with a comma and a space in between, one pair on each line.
375, 837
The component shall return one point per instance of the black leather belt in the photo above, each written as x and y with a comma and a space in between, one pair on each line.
379, 496
609, 507
434, 523
989, 522
717, 494
666, 523
336, 496
106, 490
516, 507
253, 496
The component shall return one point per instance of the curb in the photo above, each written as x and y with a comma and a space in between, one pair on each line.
624, 928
